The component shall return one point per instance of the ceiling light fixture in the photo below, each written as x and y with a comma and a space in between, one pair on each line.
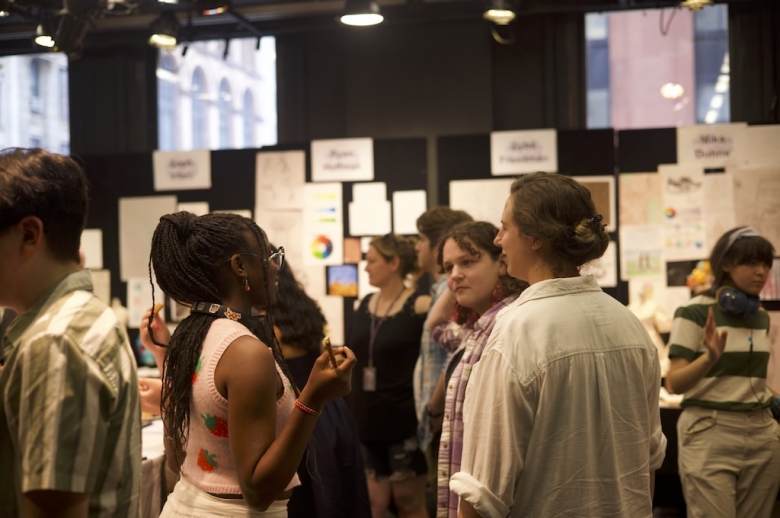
361, 13
43, 37
672, 91
499, 12
165, 31
211, 7
695, 5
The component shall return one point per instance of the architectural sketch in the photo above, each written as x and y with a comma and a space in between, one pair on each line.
757, 201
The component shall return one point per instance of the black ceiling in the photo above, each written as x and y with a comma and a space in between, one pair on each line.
256, 17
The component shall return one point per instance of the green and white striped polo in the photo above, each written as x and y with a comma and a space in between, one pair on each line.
737, 382
70, 414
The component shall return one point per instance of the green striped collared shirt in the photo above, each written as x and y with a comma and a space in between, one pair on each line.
70, 416
737, 382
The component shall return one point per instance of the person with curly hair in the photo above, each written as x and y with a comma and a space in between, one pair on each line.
461, 321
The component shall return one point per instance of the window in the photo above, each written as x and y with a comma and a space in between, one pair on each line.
199, 107
225, 114
26, 119
657, 68
36, 103
220, 100
249, 119
167, 80
64, 96
711, 44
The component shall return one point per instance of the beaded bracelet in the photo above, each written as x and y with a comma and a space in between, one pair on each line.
306, 409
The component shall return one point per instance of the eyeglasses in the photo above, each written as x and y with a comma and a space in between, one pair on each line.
277, 257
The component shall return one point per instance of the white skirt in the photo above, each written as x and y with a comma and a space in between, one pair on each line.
187, 501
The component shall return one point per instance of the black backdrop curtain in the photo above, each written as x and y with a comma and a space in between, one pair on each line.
754, 54
430, 78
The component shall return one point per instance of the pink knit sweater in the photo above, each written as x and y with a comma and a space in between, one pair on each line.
209, 463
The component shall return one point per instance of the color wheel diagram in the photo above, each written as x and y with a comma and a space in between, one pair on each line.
321, 247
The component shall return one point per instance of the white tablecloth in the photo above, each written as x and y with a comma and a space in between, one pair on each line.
152, 469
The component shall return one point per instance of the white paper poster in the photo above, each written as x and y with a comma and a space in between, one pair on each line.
642, 289
516, 152
604, 269
761, 145
139, 299
284, 228
342, 160
757, 200
279, 179
182, 170
199, 208
92, 247
369, 212
641, 250
683, 201
323, 230
407, 207
640, 199
333, 310
369, 219
138, 217
710, 145
719, 211
101, 285
482, 199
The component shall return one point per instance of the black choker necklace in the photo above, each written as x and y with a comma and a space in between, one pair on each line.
258, 324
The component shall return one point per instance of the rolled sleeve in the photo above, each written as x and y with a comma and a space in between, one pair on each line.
498, 418
59, 412
474, 492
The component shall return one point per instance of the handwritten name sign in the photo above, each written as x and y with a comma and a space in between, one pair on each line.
343, 160
182, 170
516, 152
709, 145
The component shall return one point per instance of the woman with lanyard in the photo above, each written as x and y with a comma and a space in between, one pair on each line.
385, 330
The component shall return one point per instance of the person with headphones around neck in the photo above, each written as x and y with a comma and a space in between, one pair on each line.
729, 452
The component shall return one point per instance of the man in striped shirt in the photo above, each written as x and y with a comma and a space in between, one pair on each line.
70, 439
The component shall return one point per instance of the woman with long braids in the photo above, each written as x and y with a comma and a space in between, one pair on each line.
232, 429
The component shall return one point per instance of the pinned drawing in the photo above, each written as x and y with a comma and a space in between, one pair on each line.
279, 179
757, 201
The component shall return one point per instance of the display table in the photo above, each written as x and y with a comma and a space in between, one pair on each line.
153, 486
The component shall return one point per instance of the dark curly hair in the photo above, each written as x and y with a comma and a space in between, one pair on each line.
187, 256
298, 316
476, 237
558, 211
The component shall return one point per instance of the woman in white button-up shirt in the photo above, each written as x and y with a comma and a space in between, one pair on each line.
561, 415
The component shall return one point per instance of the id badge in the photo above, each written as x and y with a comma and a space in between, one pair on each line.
369, 379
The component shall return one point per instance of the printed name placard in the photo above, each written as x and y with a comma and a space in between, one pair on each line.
342, 160
710, 145
182, 170
517, 152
